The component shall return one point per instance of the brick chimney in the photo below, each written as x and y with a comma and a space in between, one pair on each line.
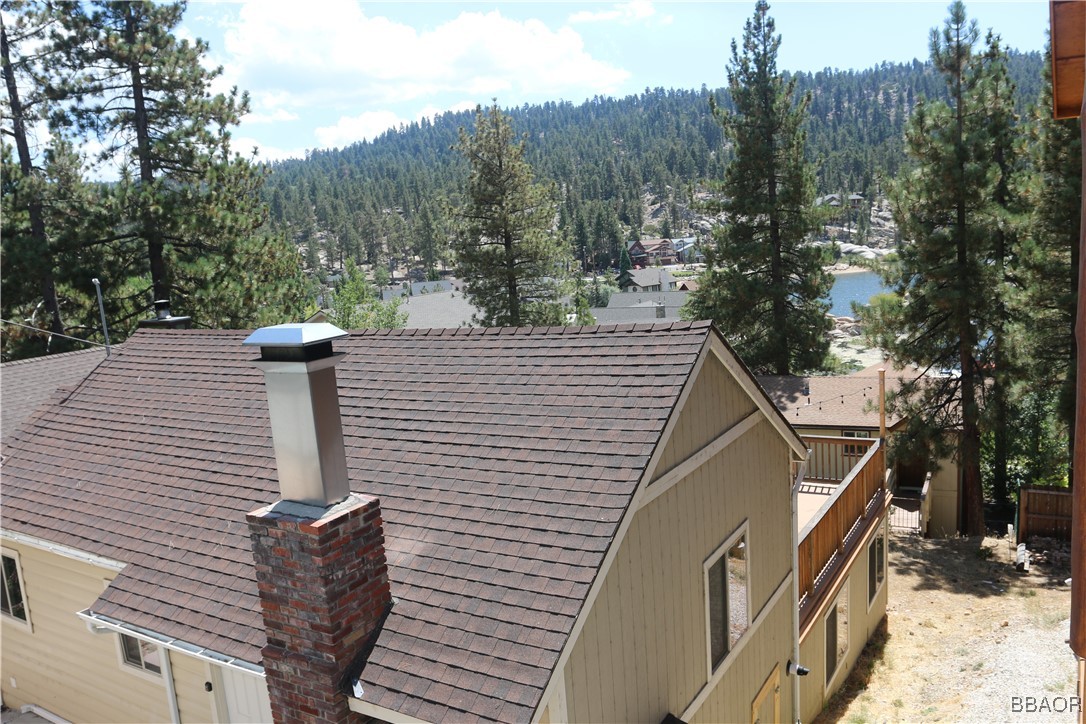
319, 551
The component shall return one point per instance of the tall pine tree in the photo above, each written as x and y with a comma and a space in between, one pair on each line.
1051, 260
508, 252
142, 92
764, 286
29, 244
950, 277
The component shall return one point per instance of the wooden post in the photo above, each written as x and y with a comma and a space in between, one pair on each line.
882, 403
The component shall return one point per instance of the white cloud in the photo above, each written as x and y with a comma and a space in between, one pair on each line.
333, 55
244, 145
369, 125
624, 13
350, 129
275, 116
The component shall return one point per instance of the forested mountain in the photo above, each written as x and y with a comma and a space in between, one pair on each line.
386, 199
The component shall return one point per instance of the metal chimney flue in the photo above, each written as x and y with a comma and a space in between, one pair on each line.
164, 319
303, 403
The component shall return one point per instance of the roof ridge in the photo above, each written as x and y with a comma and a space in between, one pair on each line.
58, 355
525, 331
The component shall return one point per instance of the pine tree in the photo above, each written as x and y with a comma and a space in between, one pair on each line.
763, 286
143, 93
509, 254
356, 305
31, 245
1003, 219
625, 264
1051, 260
947, 278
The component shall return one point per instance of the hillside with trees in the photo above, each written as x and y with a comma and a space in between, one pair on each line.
625, 168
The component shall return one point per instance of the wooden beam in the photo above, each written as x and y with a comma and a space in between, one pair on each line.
1068, 23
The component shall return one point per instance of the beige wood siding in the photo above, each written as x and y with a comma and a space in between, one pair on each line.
944, 500
862, 622
716, 402
189, 676
72, 672
732, 698
642, 652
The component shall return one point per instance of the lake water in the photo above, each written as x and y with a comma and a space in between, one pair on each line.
856, 287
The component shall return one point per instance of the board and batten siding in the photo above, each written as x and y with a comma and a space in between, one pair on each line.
862, 622
715, 403
73, 673
643, 650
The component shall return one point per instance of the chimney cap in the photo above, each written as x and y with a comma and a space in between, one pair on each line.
294, 335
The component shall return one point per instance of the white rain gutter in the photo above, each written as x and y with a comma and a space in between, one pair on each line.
99, 624
63, 550
171, 690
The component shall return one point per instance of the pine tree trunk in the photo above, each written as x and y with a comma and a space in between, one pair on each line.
151, 231
37, 219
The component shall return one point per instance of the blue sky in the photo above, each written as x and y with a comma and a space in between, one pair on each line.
324, 73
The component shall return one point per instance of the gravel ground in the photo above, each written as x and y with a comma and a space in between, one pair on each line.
969, 639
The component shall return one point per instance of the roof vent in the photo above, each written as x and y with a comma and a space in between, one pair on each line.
163, 319
303, 403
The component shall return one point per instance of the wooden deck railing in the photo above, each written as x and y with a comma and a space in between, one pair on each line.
832, 459
825, 541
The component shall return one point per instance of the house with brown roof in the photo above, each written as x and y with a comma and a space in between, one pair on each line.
848, 406
561, 524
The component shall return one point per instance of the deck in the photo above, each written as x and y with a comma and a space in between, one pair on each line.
843, 493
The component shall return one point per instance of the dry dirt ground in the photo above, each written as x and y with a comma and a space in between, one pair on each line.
965, 635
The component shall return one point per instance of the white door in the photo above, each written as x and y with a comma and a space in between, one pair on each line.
245, 696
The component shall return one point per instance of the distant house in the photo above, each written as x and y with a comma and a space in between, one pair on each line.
641, 307
446, 525
637, 253
687, 250
659, 251
652, 279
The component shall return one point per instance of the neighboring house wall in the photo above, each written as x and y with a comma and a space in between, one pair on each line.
863, 619
944, 501
73, 673
643, 651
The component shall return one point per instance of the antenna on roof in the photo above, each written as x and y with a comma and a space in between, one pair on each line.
102, 311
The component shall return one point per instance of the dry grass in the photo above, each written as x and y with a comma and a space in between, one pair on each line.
964, 633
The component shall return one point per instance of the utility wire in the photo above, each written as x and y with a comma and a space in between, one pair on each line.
53, 334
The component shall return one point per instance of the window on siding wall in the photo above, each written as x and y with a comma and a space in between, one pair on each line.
728, 588
141, 654
876, 564
837, 633
12, 600
858, 450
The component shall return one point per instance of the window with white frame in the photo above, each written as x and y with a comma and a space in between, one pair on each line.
876, 564
142, 655
857, 450
12, 598
837, 633
727, 586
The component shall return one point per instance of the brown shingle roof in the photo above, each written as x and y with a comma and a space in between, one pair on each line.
504, 461
27, 384
839, 401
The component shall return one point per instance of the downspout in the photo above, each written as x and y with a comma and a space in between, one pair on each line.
171, 691
800, 472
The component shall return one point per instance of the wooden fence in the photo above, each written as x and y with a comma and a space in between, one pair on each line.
826, 540
1044, 511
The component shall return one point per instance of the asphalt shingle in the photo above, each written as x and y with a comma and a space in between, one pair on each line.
503, 459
